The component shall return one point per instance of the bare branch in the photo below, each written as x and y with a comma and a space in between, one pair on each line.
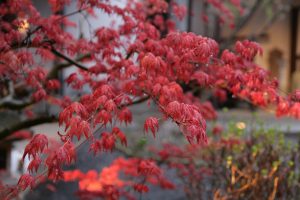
53, 73
141, 100
26, 124
242, 24
15, 104
71, 61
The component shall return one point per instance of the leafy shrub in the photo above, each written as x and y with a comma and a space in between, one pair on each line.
257, 164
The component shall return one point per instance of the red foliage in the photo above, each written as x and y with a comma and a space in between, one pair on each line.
141, 188
141, 57
38, 143
25, 181
55, 160
151, 123
34, 165
112, 178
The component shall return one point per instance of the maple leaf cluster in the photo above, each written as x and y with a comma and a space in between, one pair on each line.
141, 58
110, 184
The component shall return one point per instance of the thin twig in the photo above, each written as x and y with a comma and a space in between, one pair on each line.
71, 61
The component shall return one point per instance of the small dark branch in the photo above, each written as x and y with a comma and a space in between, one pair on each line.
244, 21
129, 54
15, 105
141, 100
54, 71
15, 45
26, 124
73, 62
247, 18
72, 13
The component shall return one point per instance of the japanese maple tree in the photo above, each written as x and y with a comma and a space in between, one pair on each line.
141, 58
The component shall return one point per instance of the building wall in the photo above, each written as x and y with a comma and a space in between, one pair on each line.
274, 37
278, 38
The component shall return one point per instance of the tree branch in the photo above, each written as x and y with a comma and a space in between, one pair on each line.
26, 124
141, 100
242, 23
44, 119
53, 73
73, 62
15, 104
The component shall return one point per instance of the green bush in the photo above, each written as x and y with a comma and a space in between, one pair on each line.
238, 164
